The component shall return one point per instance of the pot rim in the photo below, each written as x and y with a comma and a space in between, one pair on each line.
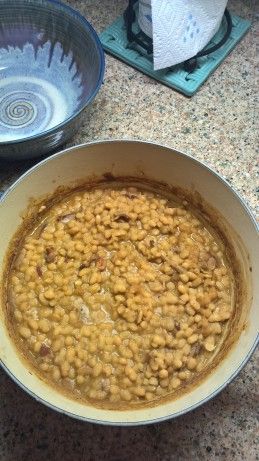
135, 141
212, 394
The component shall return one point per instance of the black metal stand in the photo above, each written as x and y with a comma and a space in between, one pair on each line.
146, 42
140, 38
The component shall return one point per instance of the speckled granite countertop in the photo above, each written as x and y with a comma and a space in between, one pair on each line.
218, 126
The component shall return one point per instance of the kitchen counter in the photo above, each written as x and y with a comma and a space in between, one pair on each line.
216, 126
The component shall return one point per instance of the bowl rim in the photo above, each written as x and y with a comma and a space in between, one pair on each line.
86, 24
213, 394
103, 422
136, 141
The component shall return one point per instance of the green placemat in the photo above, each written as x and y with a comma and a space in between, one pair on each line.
114, 41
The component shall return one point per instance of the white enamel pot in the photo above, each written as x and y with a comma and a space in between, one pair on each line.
133, 158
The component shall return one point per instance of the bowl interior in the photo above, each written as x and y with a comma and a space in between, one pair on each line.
51, 66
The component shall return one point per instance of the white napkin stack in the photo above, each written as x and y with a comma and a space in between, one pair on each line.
179, 28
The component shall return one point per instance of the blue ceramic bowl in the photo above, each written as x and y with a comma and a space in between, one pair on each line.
51, 68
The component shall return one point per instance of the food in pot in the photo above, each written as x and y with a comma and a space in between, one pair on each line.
120, 295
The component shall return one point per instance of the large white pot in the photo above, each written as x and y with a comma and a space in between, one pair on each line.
162, 164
